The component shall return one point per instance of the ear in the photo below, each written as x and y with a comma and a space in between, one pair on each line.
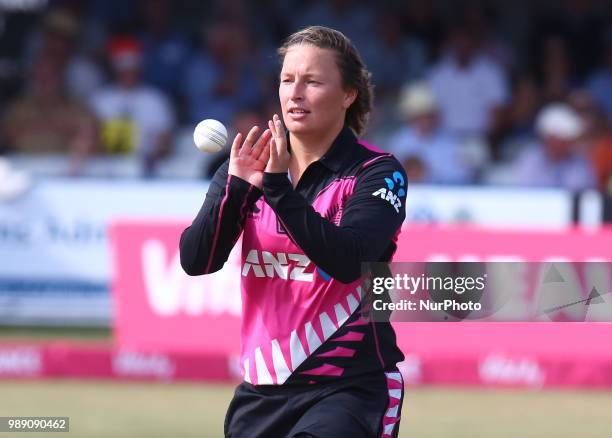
349, 98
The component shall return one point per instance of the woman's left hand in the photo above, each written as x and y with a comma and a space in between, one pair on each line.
279, 155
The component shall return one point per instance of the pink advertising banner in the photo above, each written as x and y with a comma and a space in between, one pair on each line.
469, 243
158, 308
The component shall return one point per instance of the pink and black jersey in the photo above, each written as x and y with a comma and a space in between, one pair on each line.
302, 250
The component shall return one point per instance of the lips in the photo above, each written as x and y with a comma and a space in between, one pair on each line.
298, 111
297, 114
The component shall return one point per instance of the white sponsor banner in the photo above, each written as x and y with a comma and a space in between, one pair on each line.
490, 206
58, 230
54, 251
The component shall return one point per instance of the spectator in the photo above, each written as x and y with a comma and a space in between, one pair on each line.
46, 121
350, 17
597, 137
519, 116
469, 88
601, 157
555, 160
600, 82
394, 58
165, 51
481, 18
421, 20
58, 40
554, 69
580, 24
222, 77
428, 154
136, 119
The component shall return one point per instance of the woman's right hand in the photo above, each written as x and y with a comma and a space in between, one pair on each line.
248, 161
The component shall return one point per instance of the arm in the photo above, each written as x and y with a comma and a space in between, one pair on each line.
236, 186
206, 244
369, 222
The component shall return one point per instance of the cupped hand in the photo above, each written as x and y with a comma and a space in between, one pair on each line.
248, 161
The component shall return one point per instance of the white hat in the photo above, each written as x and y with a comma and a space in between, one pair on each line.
12, 183
416, 99
559, 120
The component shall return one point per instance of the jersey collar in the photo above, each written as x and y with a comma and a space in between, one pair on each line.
340, 150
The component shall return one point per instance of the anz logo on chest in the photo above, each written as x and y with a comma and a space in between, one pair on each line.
387, 194
283, 265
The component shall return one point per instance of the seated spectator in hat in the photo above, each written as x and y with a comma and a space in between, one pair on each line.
428, 154
556, 159
46, 121
135, 119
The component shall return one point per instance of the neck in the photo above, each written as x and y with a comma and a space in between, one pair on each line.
308, 149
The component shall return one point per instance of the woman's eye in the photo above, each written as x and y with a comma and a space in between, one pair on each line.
313, 82
286, 81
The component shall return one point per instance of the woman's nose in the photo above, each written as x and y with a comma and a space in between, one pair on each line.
297, 91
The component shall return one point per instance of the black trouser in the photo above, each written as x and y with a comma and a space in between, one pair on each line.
352, 407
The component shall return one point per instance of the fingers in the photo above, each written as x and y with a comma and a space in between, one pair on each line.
279, 125
235, 150
272, 128
272, 155
248, 142
278, 154
264, 156
262, 142
276, 126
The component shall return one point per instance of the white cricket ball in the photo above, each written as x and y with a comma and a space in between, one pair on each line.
210, 135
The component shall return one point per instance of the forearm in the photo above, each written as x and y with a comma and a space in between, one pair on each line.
338, 251
206, 244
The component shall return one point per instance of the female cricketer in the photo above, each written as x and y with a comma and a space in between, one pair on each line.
311, 204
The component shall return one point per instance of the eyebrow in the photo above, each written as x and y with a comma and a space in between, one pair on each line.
306, 75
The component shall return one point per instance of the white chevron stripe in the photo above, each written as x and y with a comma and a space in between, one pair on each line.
395, 393
312, 339
360, 292
247, 378
298, 355
392, 412
395, 376
352, 302
263, 375
389, 429
341, 314
280, 366
327, 325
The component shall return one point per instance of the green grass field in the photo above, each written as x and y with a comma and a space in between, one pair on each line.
118, 409
125, 409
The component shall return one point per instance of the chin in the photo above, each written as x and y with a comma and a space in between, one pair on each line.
299, 128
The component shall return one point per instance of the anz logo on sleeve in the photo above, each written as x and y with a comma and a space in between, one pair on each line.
395, 182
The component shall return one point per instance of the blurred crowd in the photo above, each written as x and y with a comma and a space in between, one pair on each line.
472, 92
